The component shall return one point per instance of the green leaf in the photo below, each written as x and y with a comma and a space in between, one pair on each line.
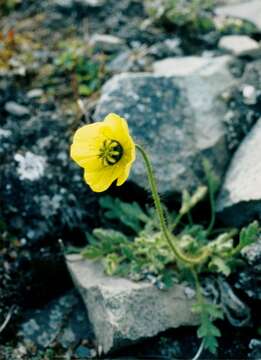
211, 344
129, 214
218, 264
73, 250
168, 278
111, 263
92, 252
84, 90
110, 236
248, 235
208, 312
212, 179
207, 329
188, 201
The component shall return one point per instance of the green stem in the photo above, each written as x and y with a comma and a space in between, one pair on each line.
176, 222
212, 207
178, 254
200, 297
190, 219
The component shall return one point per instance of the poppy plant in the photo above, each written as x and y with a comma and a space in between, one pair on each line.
105, 150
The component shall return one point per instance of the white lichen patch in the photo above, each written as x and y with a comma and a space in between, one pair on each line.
5, 133
30, 166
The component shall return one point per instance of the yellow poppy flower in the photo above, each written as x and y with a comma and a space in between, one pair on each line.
105, 150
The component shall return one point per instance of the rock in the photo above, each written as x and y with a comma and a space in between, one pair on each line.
83, 352
122, 62
91, 3
16, 109
248, 282
240, 45
255, 347
5, 133
167, 48
67, 4
130, 60
249, 10
182, 66
39, 184
177, 115
252, 253
249, 94
239, 201
107, 43
62, 321
244, 105
252, 74
249, 279
122, 311
35, 93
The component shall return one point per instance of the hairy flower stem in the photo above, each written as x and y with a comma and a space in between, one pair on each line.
200, 299
195, 260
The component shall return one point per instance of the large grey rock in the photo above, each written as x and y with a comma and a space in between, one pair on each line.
176, 114
240, 198
240, 45
182, 66
122, 311
247, 10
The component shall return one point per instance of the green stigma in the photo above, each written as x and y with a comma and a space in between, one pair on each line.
111, 152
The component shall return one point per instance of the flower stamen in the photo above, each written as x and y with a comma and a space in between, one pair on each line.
111, 152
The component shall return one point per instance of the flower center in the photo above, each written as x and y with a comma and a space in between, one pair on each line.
110, 152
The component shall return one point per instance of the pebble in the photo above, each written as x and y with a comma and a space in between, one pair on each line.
107, 43
35, 93
16, 109
249, 94
240, 45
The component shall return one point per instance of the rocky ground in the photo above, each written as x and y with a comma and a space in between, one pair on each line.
189, 89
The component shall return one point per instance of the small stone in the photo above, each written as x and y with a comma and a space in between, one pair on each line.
249, 94
189, 292
122, 311
68, 4
82, 352
106, 43
91, 3
35, 93
166, 48
255, 347
5, 133
16, 109
240, 45
122, 62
